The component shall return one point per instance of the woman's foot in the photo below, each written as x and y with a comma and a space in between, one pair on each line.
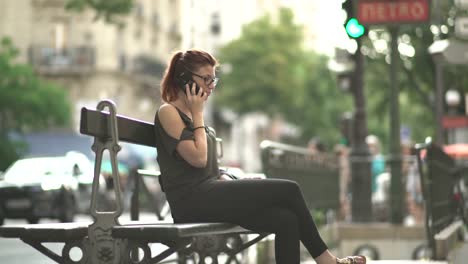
351, 260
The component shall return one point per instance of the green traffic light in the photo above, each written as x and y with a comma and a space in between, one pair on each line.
354, 29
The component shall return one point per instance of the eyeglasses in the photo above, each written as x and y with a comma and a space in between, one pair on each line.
208, 80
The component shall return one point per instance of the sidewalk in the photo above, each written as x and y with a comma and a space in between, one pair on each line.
395, 262
458, 256
406, 262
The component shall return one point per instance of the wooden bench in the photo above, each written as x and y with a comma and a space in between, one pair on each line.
444, 228
106, 240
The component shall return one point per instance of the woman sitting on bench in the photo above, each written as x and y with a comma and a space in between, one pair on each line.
192, 182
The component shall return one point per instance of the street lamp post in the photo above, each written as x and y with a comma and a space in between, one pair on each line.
350, 70
453, 100
444, 53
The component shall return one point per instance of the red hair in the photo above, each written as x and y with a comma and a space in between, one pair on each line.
191, 60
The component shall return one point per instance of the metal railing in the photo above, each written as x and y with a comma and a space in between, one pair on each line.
439, 177
53, 61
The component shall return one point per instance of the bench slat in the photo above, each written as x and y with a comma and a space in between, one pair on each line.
53, 232
170, 232
137, 230
94, 123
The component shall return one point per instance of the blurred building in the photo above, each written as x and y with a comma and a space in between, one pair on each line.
93, 59
209, 24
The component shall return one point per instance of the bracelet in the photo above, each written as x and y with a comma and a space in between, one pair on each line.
195, 128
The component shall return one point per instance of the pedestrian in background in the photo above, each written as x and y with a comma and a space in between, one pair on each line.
414, 197
316, 146
342, 154
377, 160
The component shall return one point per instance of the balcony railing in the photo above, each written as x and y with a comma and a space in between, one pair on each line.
69, 61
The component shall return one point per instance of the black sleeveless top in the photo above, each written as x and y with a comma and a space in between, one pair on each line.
179, 179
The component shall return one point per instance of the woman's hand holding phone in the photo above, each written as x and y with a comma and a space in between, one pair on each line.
195, 97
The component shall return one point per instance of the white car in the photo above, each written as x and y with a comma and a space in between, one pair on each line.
46, 187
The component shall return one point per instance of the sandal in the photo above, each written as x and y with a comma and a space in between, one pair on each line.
352, 260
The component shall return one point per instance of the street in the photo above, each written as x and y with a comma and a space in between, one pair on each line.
14, 251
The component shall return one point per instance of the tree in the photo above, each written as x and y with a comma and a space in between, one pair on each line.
27, 102
414, 79
109, 10
270, 72
416, 74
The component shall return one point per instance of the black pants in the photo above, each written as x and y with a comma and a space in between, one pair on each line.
263, 205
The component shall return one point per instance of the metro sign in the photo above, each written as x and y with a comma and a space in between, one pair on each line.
372, 12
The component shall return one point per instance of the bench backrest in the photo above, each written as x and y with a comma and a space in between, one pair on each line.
95, 123
318, 176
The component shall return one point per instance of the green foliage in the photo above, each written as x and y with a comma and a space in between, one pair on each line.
265, 64
270, 72
319, 216
10, 151
108, 10
322, 103
415, 90
415, 77
27, 102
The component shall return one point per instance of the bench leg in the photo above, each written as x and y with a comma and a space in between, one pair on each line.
242, 247
211, 246
214, 259
135, 246
44, 250
65, 257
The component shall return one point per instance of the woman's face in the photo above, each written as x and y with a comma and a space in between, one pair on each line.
205, 78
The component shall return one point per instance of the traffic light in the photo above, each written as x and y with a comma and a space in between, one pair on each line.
352, 26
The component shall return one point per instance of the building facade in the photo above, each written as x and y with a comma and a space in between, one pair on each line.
92, 59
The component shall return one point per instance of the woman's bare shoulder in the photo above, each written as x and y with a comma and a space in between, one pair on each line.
167, 110
170, 120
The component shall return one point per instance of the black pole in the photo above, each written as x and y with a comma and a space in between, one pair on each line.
361, 206
396, 183
439, 82
439, 102
135, 205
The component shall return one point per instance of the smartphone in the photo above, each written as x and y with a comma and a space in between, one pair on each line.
186, 78
197, 88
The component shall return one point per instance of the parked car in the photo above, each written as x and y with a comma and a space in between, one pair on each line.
46, 187
83, 171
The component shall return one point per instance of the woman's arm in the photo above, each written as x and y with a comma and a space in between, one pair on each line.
192, 151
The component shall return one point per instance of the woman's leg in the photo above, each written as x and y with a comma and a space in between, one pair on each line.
283, 223
237, 201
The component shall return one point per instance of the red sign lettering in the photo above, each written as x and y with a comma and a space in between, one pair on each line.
372, 12
454, 121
